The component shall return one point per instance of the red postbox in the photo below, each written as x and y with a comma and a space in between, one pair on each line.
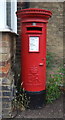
33, 53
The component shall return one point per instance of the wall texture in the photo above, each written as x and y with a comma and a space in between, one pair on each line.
7, 55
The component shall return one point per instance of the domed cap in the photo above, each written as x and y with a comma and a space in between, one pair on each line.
35, 13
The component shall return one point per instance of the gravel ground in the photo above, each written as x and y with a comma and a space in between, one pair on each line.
54, 110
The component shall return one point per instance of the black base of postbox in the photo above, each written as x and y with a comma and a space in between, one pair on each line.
36, 100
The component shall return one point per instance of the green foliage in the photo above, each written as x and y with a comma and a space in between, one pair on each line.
54, 82
49, 60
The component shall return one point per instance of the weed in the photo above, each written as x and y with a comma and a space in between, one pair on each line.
20, 101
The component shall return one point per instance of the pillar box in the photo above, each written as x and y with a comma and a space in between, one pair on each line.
33, 23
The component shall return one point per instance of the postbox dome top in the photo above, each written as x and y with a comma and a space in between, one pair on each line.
34, 12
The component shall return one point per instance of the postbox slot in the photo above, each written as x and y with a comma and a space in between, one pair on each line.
34, 29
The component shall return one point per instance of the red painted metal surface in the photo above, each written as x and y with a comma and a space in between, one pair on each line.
33, 48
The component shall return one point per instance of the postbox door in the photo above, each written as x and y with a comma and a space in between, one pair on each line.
34, 62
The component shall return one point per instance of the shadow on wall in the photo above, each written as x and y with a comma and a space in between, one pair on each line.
20, 5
